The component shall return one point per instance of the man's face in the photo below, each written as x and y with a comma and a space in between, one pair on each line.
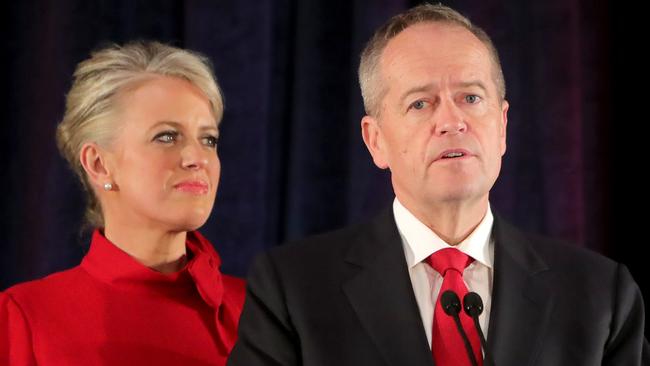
441, 129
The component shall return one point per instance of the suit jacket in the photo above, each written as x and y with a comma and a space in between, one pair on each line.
345, 298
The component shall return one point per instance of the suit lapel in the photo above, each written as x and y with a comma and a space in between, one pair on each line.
381, 294
522, 299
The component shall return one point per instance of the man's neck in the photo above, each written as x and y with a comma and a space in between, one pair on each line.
452, 222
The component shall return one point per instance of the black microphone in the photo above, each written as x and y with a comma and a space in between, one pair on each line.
473, 306
451, 305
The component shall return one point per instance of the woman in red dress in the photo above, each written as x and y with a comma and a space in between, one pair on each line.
140, 130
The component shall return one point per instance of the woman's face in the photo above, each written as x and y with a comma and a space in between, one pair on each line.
163, 162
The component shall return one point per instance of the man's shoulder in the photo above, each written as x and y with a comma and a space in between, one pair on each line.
330, 252
558, 254
330, 244
559, 250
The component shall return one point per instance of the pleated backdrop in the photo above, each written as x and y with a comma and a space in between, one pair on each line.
293, 160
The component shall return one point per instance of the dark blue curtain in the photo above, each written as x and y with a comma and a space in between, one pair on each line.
293, 159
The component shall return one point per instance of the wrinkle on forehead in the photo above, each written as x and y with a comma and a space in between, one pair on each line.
446, 52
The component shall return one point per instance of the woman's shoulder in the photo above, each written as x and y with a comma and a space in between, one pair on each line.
234, 288
46, 289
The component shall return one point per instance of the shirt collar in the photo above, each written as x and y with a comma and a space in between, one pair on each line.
420, 242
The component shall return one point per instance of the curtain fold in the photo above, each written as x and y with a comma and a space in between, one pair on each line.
293, 159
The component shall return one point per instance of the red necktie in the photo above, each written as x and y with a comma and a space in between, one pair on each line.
447, 344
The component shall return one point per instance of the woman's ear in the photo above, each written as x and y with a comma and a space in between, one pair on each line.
94, 161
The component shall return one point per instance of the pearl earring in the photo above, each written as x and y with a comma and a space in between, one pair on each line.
108, 186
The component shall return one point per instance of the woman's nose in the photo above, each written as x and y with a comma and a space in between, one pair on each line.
193, 156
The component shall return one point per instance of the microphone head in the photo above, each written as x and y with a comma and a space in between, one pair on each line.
472, 304
450, 303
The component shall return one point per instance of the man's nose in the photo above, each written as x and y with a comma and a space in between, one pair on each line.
449, 119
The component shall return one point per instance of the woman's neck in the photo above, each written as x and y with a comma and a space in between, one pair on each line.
159, 250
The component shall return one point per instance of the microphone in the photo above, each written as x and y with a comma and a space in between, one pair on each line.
473, 306
451, 305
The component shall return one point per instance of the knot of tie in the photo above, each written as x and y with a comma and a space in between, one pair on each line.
449, 258
447, 345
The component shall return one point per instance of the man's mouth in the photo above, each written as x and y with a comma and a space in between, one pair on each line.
453, 155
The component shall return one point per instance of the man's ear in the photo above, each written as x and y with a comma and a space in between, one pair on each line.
94, 162
504, 126
373, 138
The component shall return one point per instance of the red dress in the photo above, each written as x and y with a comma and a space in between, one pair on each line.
112, 310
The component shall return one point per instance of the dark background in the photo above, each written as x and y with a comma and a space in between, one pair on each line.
293, 159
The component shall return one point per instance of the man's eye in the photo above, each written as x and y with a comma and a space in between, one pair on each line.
210, 141
418, 104
472, 99
166, 137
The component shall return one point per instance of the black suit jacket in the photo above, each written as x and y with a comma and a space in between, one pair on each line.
345, 298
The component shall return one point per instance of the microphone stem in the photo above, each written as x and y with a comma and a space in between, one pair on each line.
468, 346
486, 357
480, 333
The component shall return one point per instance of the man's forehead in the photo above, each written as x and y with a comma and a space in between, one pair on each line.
435, 50
433, 39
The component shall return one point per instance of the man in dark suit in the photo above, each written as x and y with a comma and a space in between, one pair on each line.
372, 294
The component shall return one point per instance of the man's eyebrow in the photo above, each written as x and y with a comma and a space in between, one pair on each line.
430, 86
467, 84
416, 89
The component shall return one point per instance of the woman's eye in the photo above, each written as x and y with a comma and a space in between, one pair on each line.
472, 99
418, 104
166, 137
210, 141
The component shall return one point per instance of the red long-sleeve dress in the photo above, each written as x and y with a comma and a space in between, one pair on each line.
112, 310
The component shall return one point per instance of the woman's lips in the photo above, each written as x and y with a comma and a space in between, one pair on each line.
193, 187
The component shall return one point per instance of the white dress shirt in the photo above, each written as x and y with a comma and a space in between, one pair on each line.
420, 242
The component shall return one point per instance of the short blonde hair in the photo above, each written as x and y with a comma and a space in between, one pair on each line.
93, 98
369, 77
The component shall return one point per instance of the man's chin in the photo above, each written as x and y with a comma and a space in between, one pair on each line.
458, 194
